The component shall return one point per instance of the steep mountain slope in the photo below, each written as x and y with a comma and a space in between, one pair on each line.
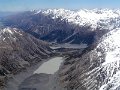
66, 26
97, 68
19, 50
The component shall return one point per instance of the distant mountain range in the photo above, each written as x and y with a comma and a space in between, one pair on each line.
66, 26
96, 68
4, 14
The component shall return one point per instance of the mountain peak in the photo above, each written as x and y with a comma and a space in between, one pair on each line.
7, 30
90, 17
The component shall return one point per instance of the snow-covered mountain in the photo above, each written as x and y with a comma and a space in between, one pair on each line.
111, 46
93, 17
66, 26
97, 68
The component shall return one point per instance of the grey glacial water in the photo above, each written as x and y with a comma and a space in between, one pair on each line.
39, 77
50, 67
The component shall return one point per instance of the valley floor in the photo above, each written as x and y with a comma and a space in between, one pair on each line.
38, 77
42, 76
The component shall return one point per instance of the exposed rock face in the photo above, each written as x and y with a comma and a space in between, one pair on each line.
19, 50
97, 68
63, 26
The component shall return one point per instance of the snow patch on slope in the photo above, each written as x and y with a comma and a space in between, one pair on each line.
113, 84
111, 45
8, 30
9, 33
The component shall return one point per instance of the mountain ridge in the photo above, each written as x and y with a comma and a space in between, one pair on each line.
61, 24
97, 67
19, 50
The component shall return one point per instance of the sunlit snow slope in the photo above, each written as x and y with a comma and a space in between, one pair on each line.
98, 67
94, 17
111, 45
